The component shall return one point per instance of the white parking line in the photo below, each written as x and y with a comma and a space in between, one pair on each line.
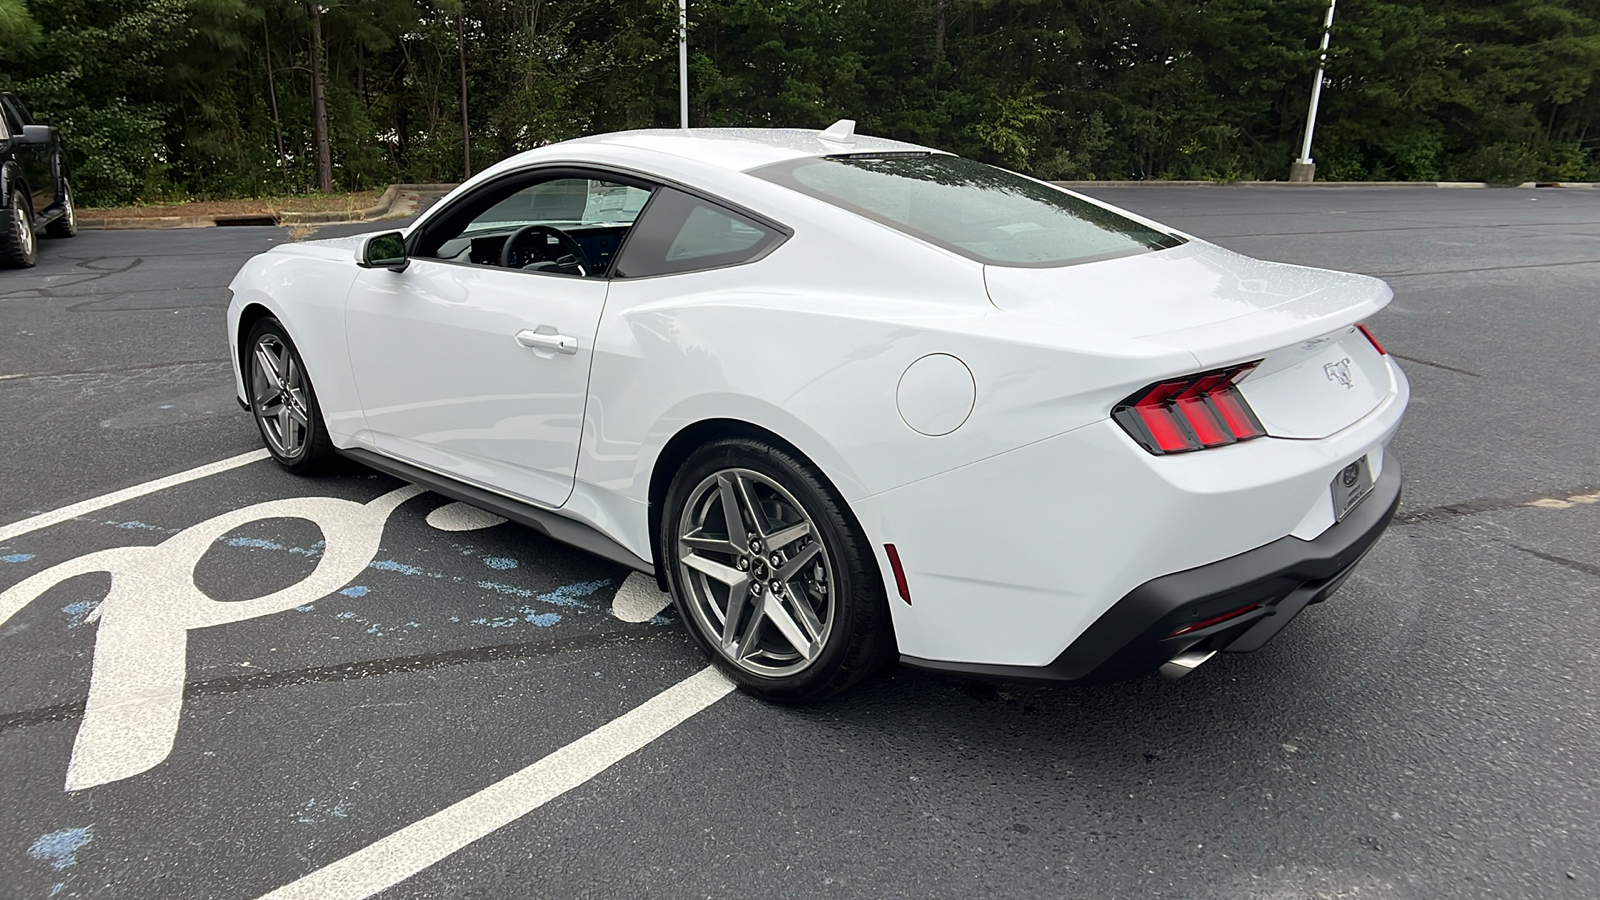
45, 520
392, 859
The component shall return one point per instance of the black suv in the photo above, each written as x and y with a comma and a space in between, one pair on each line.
34, 193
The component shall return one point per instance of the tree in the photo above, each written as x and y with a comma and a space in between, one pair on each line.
18, 30
319, 103
241, 97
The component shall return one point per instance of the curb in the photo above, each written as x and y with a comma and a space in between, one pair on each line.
85, 224
1366, 184
1579, 185
385, 205
1289, 184
378, 210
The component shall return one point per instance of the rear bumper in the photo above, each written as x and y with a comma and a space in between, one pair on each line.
1133, 637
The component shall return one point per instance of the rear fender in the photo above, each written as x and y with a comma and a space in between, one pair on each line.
624, 513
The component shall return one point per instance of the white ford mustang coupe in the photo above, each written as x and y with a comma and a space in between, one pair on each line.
852, 400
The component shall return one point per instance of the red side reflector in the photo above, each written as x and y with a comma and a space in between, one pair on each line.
1215, 620
1368, 332
899, 573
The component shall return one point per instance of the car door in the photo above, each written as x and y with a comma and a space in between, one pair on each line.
479, 370
34, 156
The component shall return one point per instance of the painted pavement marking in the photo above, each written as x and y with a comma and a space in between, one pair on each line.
135, 698
639, 599
45, 520
131, 717
462, 517
1558, 503
391, 860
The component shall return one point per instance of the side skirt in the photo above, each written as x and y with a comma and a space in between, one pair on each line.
551, 524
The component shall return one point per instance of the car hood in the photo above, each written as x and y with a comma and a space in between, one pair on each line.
342, 246
1219, 305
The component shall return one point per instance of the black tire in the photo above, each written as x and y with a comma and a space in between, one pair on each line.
858, 637
19, 246
313, 451
65, 225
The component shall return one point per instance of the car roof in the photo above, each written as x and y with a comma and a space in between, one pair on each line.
743, 149
715, 160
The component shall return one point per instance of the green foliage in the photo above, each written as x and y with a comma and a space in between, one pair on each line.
213, 97
18, 30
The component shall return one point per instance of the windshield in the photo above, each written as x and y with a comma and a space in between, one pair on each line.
984, 213
564, 202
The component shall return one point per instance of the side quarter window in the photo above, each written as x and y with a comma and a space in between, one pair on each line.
681, 233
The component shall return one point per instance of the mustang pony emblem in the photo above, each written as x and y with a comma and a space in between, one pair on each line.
1340, 372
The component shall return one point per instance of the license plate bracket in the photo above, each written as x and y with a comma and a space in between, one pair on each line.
1350, 487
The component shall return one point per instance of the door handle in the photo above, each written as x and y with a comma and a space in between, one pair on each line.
560, 343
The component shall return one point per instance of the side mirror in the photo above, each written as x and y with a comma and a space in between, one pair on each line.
384, 251
34, 134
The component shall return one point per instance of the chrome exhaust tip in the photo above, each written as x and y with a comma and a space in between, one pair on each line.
1184, 663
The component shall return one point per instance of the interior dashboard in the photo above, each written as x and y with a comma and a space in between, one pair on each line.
599, 242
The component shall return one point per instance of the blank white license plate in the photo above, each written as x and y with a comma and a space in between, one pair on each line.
1350, 487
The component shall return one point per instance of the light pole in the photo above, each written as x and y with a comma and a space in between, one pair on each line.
1303, 169
683, 63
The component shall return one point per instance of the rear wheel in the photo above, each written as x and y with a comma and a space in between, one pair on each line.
282, 400
65, 225
771, 574
18, 249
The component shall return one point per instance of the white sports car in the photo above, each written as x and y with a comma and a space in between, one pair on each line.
852, 400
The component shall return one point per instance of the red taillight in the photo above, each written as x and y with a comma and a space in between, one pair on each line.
1155, 414
1191, 413
1215, 620
1368, 332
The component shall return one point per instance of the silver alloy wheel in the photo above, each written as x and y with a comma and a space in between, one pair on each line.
279, 401
70, 211
24, 225
758, 579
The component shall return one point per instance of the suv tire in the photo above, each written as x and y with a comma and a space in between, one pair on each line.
19, 248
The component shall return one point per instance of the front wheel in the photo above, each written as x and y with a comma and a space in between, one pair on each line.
282, 400
770, 573
18, 249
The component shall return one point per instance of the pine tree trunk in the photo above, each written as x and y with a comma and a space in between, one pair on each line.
272, 95
466, 134
319, 105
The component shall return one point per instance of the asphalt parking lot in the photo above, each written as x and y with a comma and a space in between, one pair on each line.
438, 723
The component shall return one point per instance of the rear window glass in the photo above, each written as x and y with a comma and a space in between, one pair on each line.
987, 214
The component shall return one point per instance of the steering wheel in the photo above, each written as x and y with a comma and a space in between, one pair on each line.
546, 248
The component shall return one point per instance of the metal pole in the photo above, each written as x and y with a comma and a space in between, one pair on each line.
683, 63
1303, 168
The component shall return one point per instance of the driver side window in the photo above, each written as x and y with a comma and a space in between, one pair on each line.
568, 226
